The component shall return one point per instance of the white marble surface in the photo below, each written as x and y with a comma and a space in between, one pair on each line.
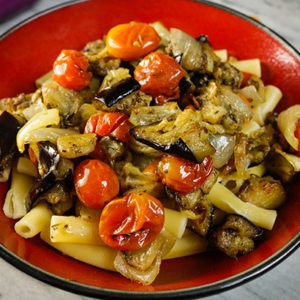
282, 282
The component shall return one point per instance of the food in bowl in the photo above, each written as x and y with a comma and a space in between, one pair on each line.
147, 145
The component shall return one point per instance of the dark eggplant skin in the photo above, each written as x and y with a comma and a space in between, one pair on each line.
48, 158
178, 148
48, 167
42, 186
112, 95
9, 127
46, 183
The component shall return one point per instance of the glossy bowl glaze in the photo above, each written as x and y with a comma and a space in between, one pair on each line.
27, 52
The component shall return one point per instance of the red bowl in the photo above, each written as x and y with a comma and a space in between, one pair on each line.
27, 52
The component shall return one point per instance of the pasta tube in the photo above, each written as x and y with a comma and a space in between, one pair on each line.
15, 203
103, 257
272, 96
189, 244
99, 256
227, 201
71, 229
25, 166
249, 127
40, 120
34, 221
251, 66
175, 222
222, 54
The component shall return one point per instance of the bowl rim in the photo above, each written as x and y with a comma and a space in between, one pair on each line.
185, 293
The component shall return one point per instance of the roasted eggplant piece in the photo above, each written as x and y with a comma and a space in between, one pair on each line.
147, 115
178, 148
227, 74
9, 127
120, 92
59, 196
133, 179
253, 149
264, 192
111, 149
236, 236
54, 182
67, 101
184, 137
16, 104
204, 222
42, 186
48, 158
196, 55
197, 208
112, 95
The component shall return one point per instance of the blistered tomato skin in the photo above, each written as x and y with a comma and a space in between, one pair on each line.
159, 76
70, 70
182, 175
131, 222
95, 183
131, 41
115, 124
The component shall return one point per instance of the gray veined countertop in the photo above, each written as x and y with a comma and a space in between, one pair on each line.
283, 281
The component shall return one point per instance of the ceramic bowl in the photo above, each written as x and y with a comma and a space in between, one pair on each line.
28, 50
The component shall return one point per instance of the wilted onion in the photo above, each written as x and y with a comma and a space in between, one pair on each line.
224, 145
236, 103
250, 92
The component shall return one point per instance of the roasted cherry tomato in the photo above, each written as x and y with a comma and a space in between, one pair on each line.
159, 76
131, 222
132, 40
151, 169
182, 175
114, 124
70, 70
96, 183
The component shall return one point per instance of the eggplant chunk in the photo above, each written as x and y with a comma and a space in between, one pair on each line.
9, 127
236, 236
16, 104
229, 75
185, 136
196, 55
283, 169
112, 95
264, 192
133, 179
112, 149
147, 115
197, 208
59, 198
48, 157
205, 217
56, 96
76, 145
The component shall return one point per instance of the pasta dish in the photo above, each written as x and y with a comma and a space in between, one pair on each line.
148, 144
